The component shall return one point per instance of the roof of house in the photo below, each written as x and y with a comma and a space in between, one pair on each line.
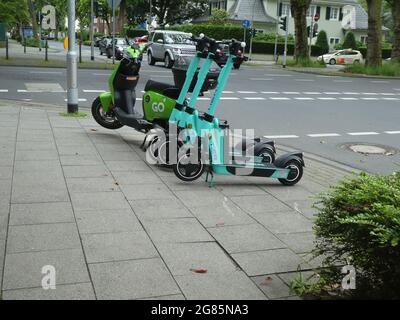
252, 10
362, 19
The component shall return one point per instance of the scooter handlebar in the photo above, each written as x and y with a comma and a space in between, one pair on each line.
205, 44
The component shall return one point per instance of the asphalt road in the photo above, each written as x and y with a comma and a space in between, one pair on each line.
316, 114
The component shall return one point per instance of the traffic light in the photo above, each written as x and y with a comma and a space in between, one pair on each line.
283, 23
253, 32
315, 31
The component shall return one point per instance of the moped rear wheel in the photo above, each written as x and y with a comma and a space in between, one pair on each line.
105, 119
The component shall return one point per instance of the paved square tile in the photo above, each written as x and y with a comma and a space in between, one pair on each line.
249, 237
147, 192
85, 149
99, 201
182, 257
156, 209
76, 185
138, 165
240, 189
79, 291
107, 221
201, 198
42, 237
284, 222
132, 279
6, 172
36, 155
268, 261
24, 270
304, 207
224, 214
38, 213
135, 177
260, 203
284, 193
272, 286
176, 230
231, 286
86, 171
298, 242
119, 155
106, 247
81, 160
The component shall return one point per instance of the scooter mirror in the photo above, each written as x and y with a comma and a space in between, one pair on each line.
243, 44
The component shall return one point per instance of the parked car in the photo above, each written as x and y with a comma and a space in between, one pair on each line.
120, 45
103, 44
222, 57
347, 56
166, 46
141, 40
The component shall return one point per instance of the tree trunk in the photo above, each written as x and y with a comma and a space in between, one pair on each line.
299, 11
33, 18
122, 16
396, 36
374, 46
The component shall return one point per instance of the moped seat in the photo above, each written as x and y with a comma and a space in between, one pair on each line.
166, 89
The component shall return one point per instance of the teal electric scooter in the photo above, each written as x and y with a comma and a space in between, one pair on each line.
288, 169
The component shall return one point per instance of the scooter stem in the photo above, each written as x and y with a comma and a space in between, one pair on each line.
189, 77
222, 81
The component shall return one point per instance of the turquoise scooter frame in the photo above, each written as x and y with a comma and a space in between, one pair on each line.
288, 169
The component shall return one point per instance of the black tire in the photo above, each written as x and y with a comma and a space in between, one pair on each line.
236, 66
294, 177
332, 62
168, 62
150, 60
109, 55
188, 172
101, 52
268, 155
98, 114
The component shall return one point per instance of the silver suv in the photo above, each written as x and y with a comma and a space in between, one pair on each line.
168, 45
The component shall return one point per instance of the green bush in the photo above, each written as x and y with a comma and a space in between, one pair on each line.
87, 43
218, 32
84, 35
267, 47
322, 42
350, 41
305, 63
359, 220
32, 42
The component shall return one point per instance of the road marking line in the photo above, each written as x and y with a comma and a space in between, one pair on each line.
247, 91
304, 98
342, 81
388, 94
335, 93
370, 99
330, 98
320, 135
261, 79
279, 98
22, 90
347, 99
101, 74
392, 132
370, 93
379, 81
80, 99
92, 91
227, 92
45, 72
304, 80
312, 92
288, 136
290, 92
362, 133
351, 93
269, 92
277, 75
3, 90
203, 98
230, 98
391, 99
254, 98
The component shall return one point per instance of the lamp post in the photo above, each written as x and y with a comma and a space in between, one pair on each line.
72, 64
91, 30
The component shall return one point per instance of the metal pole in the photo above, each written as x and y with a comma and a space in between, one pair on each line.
6, 46
113, 32
286, 40
46, 58
91, 30
311, 32
251, 43
24, 44
72, 66
80, 51
277, 32
40, 31
244, 40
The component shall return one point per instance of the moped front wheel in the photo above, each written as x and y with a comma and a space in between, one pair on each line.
295, 174
105, 119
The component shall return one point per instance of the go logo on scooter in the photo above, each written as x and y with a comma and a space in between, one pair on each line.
158, 107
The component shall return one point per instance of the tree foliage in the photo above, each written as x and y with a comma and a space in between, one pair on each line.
218, 16
350, 41
14, 13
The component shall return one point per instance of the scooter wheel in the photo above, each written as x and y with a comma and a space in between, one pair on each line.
267, 154
187, 171
296, 173
106, 120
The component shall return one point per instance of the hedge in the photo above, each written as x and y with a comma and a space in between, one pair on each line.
265, 47
386, 53
218, 32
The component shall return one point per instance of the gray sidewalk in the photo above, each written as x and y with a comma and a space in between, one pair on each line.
80, 198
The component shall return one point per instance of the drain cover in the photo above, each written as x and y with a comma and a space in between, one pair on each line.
367, 149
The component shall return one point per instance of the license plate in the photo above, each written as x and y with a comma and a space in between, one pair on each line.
131, 78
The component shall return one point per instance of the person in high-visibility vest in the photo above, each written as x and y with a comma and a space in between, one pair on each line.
66, 43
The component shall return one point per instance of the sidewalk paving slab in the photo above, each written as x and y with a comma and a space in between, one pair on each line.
156, 209
132, 279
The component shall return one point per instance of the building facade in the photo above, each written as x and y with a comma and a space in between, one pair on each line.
336, 17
